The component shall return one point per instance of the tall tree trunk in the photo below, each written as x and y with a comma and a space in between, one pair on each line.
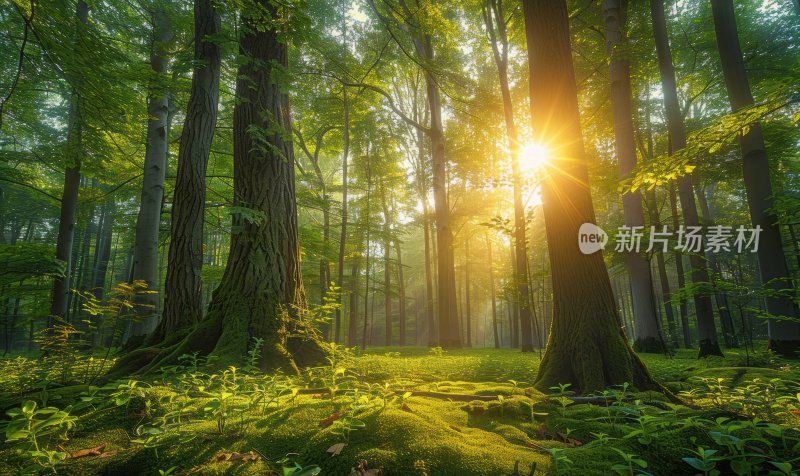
401, 294
500, 53
587, 346
183, 285
467, 300
513, 323
343, 229
449, 334
261, 291
492, 292
72, 182
352, 325
148, 223
644, 312
430, 316
367, 266
784, 335
683, 305
387, 277
706, 328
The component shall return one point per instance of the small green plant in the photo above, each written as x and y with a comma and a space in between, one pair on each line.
35, 432
346, 425
705, 460
631, 464
437, 351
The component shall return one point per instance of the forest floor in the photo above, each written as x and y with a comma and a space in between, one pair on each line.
409, 411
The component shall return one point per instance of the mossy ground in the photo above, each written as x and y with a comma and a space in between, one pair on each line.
431, 436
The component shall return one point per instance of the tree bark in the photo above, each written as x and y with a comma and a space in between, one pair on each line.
261, 293
644, 312
183, 286
69, 198
587, 347
500, 53
706, 328
387, 271
148, 222
784, 335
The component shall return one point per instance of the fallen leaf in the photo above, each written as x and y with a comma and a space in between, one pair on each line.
329, 421
336, 449
317, 396
96, 451
251, 456
405, 408
570, 442
455, 428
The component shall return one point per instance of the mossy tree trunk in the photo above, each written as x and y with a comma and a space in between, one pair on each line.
261, 292
587, 347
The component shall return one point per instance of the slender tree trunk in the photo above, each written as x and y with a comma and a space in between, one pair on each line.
587, 347
387, 279
706, 327
467, 300
148, 223
367, 266
500, 53
683, 305
183, 286
343, 230
72, 181
644, 312
449, 334
352, 325
401, 294
784, 335
492, 293
433, 340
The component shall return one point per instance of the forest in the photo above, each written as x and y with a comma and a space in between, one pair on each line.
400, 237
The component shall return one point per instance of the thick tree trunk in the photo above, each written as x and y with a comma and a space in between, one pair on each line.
784, 335
500, 53
644, 311
261, 292
69, 198
183, 286
148, 223
587, 347
706, 328
492, 293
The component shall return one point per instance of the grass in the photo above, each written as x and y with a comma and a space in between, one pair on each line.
188, 420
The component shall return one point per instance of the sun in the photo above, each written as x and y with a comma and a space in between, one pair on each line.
533, 156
